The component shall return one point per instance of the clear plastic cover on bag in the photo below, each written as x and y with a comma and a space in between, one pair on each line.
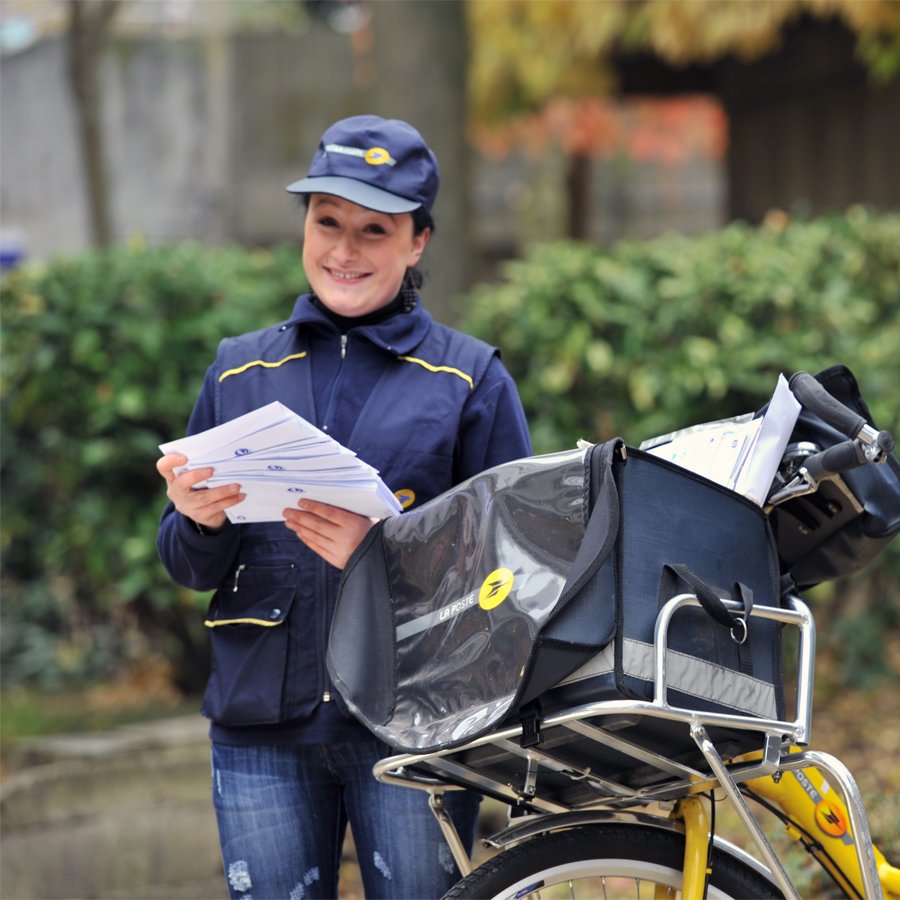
459, 589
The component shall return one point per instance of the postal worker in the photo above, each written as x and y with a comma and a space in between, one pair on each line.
427, 406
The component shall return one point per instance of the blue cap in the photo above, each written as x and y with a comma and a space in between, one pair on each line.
382, 164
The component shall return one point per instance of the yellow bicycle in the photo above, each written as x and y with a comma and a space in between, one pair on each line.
602, 806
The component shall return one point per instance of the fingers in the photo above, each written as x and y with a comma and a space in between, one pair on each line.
324, 519
166, 464
330, 531
204, 505
207, 506
326, 513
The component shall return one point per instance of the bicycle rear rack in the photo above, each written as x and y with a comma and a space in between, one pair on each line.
586, 766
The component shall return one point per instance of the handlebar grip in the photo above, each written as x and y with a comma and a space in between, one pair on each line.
885, 442
839, 458
816, 399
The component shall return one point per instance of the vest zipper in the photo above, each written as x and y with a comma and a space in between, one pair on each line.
237, 575
335, 386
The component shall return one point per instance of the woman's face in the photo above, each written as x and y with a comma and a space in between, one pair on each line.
355, 258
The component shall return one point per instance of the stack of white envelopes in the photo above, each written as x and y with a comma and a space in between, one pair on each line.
279, 458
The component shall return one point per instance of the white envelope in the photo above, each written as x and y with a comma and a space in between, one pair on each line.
266, 501
278, 457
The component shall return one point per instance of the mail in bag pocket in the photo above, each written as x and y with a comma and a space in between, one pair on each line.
249, 638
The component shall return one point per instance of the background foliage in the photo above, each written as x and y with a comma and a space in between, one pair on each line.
525, 54
103, 356
649, 336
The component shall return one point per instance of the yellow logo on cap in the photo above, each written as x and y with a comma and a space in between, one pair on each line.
378, 156
495, 588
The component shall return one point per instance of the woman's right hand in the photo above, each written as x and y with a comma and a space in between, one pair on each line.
205, 506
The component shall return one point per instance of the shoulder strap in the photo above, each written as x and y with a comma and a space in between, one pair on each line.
603, 525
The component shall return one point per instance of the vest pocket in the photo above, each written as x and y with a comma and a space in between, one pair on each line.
249, 640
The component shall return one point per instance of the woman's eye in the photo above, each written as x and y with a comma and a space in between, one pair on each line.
375, 229
327, 222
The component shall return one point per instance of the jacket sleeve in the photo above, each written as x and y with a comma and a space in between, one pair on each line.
493, 429
194, 560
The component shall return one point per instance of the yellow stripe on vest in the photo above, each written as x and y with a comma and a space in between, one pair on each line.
260, 362
265, 623
431, 368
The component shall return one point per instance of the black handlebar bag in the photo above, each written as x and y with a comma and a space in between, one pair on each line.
839, 529
438, 629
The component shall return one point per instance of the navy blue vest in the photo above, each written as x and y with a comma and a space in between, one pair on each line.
270, 617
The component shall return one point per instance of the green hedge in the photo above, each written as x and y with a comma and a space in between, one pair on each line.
647, 337
103, 356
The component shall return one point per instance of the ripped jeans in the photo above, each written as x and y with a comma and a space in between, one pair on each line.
283, 812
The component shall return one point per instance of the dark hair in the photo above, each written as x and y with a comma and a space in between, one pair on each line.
421, 219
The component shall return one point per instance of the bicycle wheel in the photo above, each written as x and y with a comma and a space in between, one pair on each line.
606, 860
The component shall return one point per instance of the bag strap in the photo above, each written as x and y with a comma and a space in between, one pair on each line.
737, 623
603, 525
599, 538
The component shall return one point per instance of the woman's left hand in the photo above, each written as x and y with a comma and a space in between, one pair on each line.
330, 531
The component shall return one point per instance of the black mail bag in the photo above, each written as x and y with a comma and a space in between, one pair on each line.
538, 583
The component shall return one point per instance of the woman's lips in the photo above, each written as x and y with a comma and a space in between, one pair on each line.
346, 276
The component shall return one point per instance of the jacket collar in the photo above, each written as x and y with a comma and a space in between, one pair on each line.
398, 335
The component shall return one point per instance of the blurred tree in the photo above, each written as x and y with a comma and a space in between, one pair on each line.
420, 64
88, 28
524, 54
527, 56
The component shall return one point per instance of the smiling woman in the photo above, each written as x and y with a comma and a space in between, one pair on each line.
356, 258
425, 405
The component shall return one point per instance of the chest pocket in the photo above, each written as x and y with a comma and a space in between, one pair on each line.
250, 646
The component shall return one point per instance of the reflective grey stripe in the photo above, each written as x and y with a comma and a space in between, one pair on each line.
688, 674
414, 626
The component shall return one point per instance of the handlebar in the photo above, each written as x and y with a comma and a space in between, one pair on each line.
836, 459
865, 443
817, 400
